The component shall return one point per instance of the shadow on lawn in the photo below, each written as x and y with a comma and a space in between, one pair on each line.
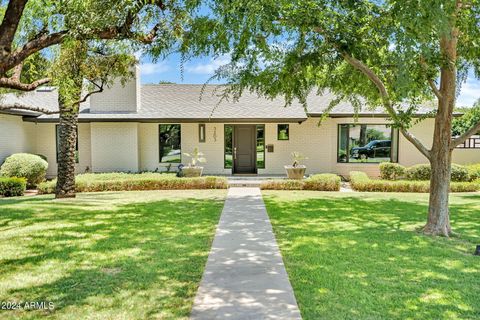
146, 257
361, 258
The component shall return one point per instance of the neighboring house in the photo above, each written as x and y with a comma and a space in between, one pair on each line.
148, 127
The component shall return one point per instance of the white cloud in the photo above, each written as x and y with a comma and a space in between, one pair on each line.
154, 68
210, 67
469, 93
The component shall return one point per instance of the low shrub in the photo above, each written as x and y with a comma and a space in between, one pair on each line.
322, 182
12, 186
317, 182
459, 173
361, 182
391, 171
25, 165
423, 172
91, 182
418, 172
282, 184
474, 171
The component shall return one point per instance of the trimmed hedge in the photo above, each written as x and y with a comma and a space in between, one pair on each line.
423, 172
12, 186
317, 182
91, 182
474, 171
25, 165
361, 182
392, 171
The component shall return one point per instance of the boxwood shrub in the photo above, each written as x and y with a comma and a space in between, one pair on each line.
361, 182
12, 186
423, 172
317, 182
25, 165
391, 171
91, 182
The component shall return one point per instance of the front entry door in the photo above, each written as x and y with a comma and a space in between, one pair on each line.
244, 141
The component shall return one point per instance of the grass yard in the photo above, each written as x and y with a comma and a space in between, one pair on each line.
116, 255
357, 256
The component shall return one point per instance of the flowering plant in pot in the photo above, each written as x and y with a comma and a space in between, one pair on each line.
296, 170
192, 170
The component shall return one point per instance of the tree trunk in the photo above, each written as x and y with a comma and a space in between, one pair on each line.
70, 82
438, 222
66, 155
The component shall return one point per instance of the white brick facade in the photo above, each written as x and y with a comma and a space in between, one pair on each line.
132, 146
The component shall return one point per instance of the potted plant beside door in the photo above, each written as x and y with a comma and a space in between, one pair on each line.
192, 170
296, 170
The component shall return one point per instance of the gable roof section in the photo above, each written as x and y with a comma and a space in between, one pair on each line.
186, 103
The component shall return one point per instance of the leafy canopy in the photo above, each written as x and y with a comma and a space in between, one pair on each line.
290, 48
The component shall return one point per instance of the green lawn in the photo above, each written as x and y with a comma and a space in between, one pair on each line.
117, 255
358, 256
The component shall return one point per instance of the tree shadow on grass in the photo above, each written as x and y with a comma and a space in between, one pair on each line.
361, 258
138, 260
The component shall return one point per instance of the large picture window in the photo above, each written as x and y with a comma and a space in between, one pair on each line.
371, 143
170, 143
57, 143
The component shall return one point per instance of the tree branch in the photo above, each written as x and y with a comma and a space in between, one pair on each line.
12, 83
462, 138
19, 106
9, 25
375, 79
431, 83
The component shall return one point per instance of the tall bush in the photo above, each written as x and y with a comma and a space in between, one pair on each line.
423, 172
25, 165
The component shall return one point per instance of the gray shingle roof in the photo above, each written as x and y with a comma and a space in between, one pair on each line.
186, 102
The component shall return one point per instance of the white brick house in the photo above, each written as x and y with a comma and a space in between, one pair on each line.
138, 128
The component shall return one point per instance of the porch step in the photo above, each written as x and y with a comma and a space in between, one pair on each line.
244, 183
250, 181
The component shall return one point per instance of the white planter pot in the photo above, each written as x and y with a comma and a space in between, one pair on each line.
296, 173
191, 172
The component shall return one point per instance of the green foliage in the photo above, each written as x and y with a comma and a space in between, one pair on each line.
12, 186
474, 171
361, 182
391, 171
423, 172
419, 172
91, 182
291, 48
25, 165
317, 182
470, 117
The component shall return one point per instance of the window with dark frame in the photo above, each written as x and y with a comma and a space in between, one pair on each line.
170, 150
201, 132
57, 144
367, 143
283, 132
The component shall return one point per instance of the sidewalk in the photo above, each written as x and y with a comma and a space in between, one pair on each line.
245, 277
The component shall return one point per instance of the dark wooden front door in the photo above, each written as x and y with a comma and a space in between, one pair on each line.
244, 149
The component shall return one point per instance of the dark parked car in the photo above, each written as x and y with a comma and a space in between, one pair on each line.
373, 149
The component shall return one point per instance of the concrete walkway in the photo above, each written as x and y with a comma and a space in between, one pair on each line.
245, 277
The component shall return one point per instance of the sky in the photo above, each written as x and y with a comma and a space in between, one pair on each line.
199, 70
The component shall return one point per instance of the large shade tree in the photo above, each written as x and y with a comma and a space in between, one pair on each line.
392, 54
81, 47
